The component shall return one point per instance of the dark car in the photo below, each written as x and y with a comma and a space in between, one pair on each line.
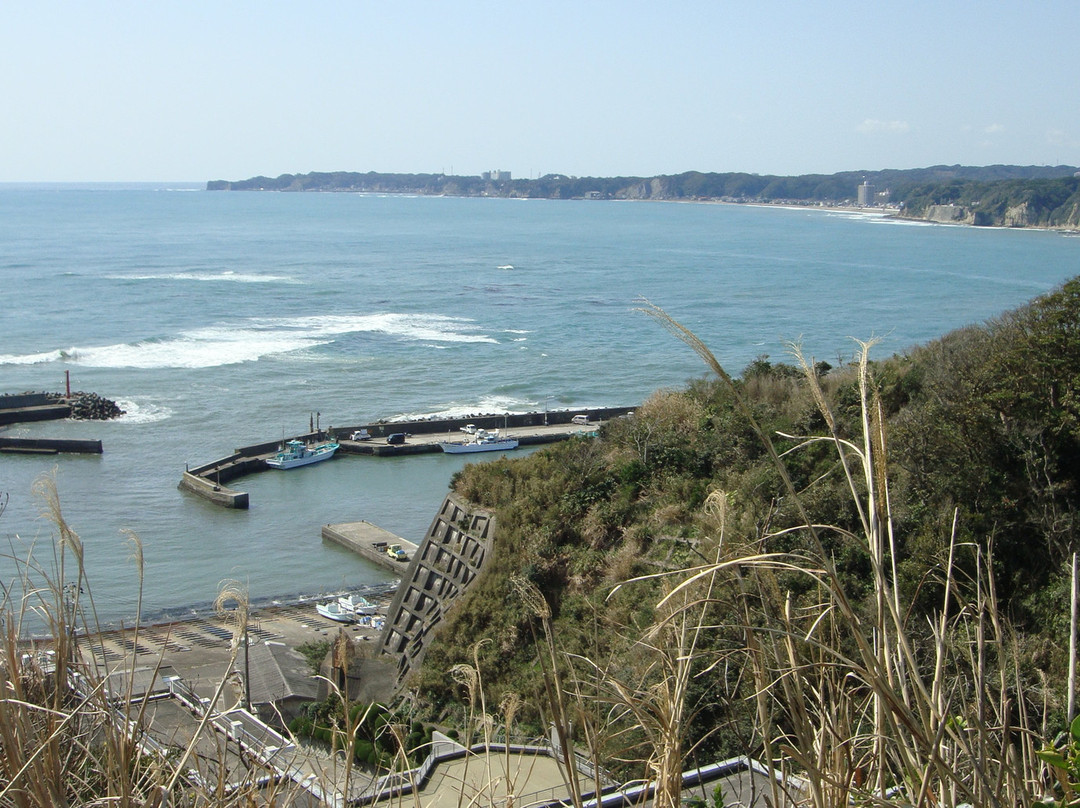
396, 438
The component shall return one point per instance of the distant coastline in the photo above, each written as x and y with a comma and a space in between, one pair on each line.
1046, 197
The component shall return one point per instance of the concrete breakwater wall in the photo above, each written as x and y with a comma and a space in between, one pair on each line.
13, 401
50, 411
218, 494
381, 429
50, 445
208, 480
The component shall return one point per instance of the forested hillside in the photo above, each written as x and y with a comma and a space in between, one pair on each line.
1007, 203
965, 509
993, 187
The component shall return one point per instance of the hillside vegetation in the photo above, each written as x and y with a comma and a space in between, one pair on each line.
1008, 203
945, 490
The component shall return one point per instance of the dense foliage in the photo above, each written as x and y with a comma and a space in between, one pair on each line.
1041, 202
982, 426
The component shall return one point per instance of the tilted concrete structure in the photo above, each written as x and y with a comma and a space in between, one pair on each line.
448, 560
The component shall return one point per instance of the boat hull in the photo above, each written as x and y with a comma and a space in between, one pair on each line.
331, 611
357, 605
292, 459
479, 446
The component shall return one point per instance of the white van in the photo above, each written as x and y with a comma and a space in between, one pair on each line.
581, 420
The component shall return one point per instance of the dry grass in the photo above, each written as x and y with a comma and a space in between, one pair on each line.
66, 740
866, 706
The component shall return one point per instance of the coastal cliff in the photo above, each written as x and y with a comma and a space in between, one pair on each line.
1012, 203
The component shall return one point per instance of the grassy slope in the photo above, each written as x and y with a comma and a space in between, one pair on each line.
982, 423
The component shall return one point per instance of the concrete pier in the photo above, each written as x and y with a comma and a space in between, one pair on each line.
370, 541
218, 494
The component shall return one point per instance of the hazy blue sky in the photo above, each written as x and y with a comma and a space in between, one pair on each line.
226, 90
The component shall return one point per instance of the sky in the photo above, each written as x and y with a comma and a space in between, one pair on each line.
195, 91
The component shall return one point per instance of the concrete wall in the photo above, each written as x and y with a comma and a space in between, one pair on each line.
217, 494
51, 412
447, 561
27, 400
46, 445
488, 421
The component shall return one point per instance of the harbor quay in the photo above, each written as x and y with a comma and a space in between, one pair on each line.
416, 437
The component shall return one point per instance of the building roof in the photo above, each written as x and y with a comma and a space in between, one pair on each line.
278, 673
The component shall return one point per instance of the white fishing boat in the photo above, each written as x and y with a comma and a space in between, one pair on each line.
297, 453
482, 441
333, 611
356, 604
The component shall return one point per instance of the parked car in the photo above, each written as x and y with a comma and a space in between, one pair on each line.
360, 434
581, 420
396, 438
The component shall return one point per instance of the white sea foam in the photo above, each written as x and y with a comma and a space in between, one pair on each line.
903, 222
490, 405
226, 276
505, 266
257, 338
142, 411
36, 358
421, 327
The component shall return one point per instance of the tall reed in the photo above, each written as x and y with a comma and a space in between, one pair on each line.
868, 704
68, 734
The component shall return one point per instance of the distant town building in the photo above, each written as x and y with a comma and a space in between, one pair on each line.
496, 176
866, 194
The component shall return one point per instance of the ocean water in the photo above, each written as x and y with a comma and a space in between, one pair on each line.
224, 319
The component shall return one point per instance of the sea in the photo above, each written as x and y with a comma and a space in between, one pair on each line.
222, 319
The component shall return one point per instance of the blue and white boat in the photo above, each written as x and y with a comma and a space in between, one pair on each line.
297, 453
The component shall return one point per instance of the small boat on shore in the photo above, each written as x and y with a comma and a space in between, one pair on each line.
333, 611
297, 453
356, 604
482, 441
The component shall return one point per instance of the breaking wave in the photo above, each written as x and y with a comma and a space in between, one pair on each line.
226, 276
257, 338
142, 412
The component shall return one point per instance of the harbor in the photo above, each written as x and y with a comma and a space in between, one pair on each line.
392, 439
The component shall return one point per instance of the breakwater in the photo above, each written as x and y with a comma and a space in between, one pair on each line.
25, 407
209, 479
49, 446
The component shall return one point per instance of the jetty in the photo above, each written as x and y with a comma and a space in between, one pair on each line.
30, 407
421, 437
372, 543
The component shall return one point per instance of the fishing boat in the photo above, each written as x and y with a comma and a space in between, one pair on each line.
356, 604
297, 453
482, 441
333, 611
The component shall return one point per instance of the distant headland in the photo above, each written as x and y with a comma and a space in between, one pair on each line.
996, 196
